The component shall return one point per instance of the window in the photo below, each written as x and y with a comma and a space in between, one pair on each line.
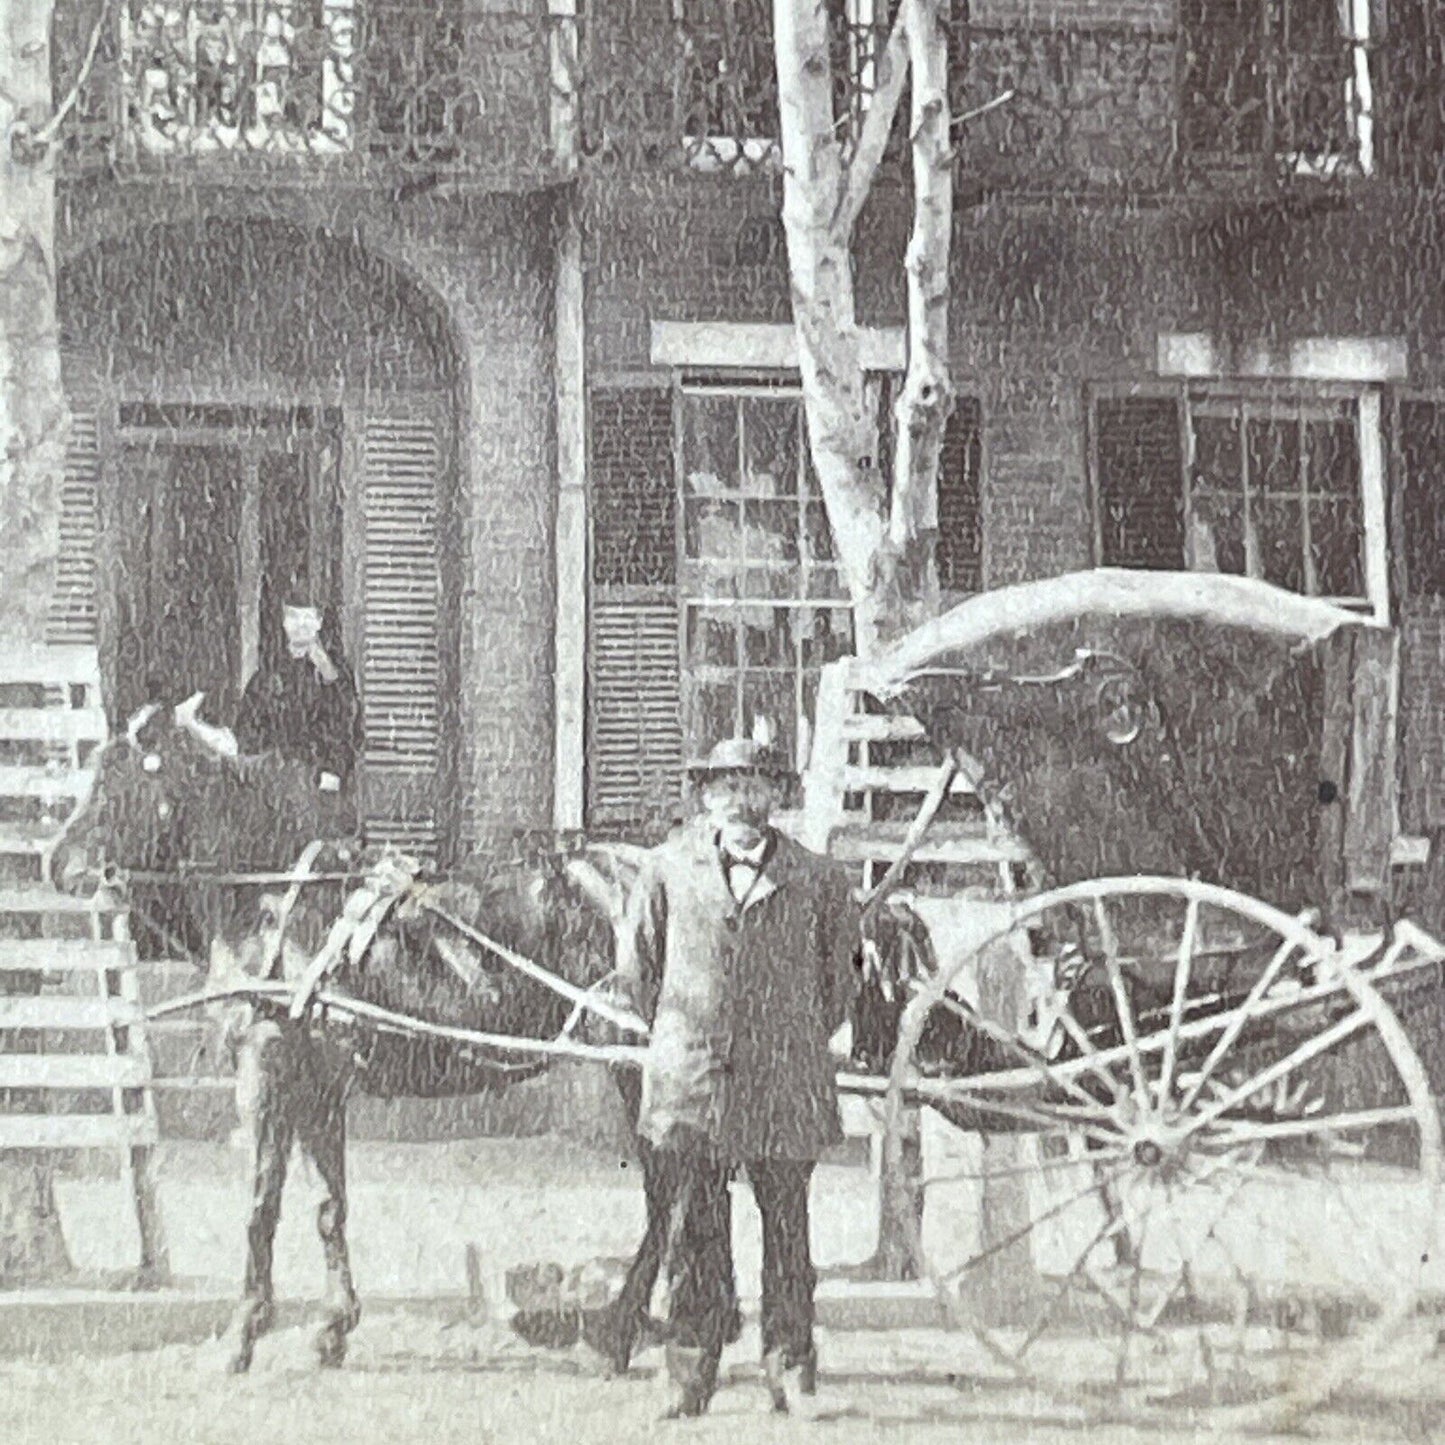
1266, 486
224, 75
729, 75
1287, 79
1274, 493
764, 605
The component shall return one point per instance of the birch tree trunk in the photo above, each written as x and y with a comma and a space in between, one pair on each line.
842, 433
33, 420
927, 397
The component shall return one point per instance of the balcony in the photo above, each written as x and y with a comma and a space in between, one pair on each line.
1281, 89
371, 90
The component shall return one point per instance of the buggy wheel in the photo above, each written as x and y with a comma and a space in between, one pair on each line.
1200, 1170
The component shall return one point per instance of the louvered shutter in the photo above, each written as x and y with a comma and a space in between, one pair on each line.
960, 506
1420, 490
400, 666
635, 758
73, 605
1139, 469
634, 743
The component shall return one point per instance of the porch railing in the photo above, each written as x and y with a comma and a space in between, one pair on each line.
351, 84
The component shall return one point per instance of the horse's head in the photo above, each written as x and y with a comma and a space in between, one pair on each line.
140, 806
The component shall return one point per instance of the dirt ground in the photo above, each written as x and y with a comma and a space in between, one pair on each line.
411, 1381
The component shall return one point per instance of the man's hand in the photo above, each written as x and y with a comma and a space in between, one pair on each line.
185, 712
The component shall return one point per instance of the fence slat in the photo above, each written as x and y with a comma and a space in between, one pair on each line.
43, 782
64, 1012
53, 725
74, 1071
76, 1131
62, 955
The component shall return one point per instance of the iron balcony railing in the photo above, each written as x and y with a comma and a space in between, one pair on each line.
346, 84
462, 89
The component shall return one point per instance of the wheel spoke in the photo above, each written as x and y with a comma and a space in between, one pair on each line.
1030, 1057
1024, 1230
1244, 1131
1182, 969
960, 1095
1068, 1282
1009, 1171
1236, 1024
1312, 1048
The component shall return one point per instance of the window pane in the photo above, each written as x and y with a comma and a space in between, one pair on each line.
712, 528
1280, 541
1333, 459
711, 637
771, 532
1337, 547
709, 444
818, 532
774, 696
1216, 454
711, 715
770, 447
768, 636
1216, 534
1274, 456
826, 634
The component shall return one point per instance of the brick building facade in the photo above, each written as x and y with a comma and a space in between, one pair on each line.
499, 361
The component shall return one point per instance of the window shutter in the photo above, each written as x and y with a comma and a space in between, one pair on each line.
634, 746
634, 495
1422, 460
960, 501
73, 605
1139, 470
635, 755
400, 669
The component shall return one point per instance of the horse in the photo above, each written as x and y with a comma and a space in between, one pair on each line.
162, 799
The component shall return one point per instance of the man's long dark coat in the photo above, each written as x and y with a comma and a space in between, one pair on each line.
742, 999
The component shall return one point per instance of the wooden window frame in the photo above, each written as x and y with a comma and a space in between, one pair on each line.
1366, 397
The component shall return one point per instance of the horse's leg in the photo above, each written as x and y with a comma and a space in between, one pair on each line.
323, 1136
264, 1064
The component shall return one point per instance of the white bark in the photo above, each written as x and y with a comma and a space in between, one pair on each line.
927, 396
33, 414
842, 433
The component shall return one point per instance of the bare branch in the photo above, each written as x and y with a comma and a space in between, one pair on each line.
979, 111
877, 125
47, 133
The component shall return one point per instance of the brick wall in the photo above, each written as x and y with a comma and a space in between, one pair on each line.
1046, 14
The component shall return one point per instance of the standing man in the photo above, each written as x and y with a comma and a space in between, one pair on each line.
739, 951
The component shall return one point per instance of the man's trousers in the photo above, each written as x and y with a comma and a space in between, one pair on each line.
699, 1259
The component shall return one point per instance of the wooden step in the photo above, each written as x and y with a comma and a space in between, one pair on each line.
26, 840
40, 899
74, 1071
77, 1131
912, 779
53, 664
53, 724
44, 782
867, 727
62, 955
57, 1011
942, 843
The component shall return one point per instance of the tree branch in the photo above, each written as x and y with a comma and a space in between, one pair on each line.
876, 128
45, 136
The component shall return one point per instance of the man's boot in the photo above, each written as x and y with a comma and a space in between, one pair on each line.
689, 1383
787, 1374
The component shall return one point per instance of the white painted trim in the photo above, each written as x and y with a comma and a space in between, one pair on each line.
569, 636
761, 346
1362, 359
1372, 502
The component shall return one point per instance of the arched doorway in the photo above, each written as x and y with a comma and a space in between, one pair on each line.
262, 409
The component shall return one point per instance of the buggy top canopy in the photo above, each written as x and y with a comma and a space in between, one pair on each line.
1166, 722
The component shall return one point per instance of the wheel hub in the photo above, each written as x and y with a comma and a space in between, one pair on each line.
1148, 1153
